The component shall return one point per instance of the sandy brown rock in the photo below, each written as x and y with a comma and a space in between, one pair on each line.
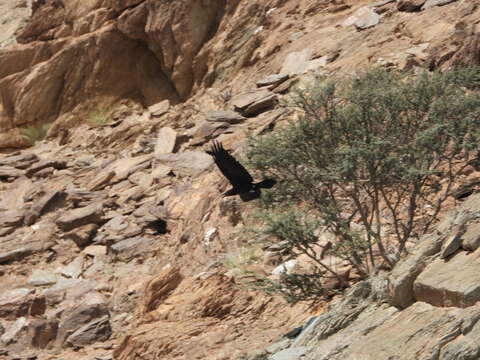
183, 319
253, 102
450, 283
410, 5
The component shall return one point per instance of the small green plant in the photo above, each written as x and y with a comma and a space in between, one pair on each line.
364, 162
34, 133
98, 117
237, 262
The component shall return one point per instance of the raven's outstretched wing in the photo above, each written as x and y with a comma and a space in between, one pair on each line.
230, 167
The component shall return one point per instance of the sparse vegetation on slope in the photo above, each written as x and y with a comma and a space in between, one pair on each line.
34, 133
371, 160
98, 117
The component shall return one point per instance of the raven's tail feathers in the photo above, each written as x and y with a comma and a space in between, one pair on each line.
266, 184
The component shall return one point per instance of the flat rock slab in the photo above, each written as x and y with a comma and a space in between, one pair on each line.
11, 218
415, 333
296, 63
21, 161
363, 18
471, 237
129, 248
186, 163
159, 109
95, 331
14, 330
123, 168
10, 172
76, 318
44, 164
253, 102
16, 247
432, 3
42, 278
166, 141
455, 282
73, 269
227, 116
294, 353
91, 214
273, 80
207, 130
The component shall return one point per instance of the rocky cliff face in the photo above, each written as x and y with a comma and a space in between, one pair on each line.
114, 242
74, 56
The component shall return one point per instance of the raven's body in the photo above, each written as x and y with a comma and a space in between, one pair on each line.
238, 176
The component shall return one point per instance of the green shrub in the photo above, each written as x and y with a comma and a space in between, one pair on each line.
98, 117
368, 153
34, 133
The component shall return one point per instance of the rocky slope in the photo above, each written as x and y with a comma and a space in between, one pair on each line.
114, 241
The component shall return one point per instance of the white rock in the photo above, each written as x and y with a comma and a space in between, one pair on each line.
286, 267
209, 235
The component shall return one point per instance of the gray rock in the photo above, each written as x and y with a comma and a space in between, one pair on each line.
384, 333
206, 130
293, 353
274, 80
186, 163
95, 331
67, 289
42, 278
455, 282
432, 3
76, 318
403, 275
150, 211
451, 244
91, 214
296, 63
13, 331
363, 18
73, 269
159, 109
471, 238
166, 140
130, 248
125, 167
228, 116
253, 102
116, 224
160, 171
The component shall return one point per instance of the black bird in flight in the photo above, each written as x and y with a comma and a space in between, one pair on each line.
238, 176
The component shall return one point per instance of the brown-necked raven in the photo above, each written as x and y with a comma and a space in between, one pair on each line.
238, 176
